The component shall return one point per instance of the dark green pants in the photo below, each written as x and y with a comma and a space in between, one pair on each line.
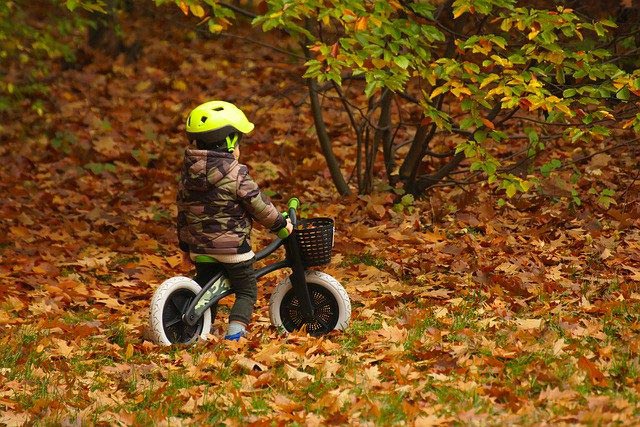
243, 282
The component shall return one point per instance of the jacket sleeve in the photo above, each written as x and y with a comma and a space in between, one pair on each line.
257, 204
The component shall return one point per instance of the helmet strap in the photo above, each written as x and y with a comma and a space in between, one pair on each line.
232, 140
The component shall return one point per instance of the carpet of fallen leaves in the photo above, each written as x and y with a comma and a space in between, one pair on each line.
463, 312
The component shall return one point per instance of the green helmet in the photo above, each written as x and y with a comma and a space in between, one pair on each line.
215, 123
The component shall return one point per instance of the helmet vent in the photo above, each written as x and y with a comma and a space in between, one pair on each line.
218, 109
203, 119
189, 121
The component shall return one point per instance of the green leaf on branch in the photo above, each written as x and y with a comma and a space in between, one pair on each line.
606, 199
623, 94
549, 167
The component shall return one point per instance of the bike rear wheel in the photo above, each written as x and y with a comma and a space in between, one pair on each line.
168, 305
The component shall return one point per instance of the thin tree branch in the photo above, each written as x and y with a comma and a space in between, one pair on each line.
239, 10
268, 46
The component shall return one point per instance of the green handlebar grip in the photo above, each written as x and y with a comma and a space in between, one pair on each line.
294, 203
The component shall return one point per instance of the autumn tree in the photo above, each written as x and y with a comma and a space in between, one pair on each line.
448, 92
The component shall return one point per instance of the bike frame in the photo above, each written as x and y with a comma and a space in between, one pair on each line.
219, 286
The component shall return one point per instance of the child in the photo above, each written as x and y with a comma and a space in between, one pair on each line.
217, 201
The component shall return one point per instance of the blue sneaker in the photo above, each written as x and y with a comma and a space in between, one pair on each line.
234, 337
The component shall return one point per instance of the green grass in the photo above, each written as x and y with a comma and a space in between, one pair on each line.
118, 334
366, 258
391, 410
358, 330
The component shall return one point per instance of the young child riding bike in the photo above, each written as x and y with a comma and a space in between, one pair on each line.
217, 203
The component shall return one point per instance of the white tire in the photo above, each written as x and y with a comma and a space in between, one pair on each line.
331, 301
167, 306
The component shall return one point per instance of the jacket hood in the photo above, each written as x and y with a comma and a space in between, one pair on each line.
203, 169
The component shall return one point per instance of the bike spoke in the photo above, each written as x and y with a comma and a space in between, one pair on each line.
174, 303
176, 329
186, 305
173, 322
325, 316
325, 325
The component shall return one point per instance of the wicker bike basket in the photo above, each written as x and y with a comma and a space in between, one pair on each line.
315, 238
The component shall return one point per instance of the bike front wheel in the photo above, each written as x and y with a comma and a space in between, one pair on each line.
332, 307
168, 305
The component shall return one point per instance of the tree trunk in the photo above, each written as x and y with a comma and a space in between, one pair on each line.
413, 156
103, 35
325, 141
384, 131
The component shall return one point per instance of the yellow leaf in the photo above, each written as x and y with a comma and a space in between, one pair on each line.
297, 375
128, 352
460, 11
441, 312
379, 63
558, 347
39, 270
437, 91
250, 364
174, 261
179, 85
361, 23
460, 90
154, 260
529, 323
197, 10
19, 231
563, 108
62, 348
184, 7
143, 85
375, 21
431, 78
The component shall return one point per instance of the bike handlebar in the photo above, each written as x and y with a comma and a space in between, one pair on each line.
293, 205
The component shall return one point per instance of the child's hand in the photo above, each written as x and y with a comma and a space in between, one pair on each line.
289, 226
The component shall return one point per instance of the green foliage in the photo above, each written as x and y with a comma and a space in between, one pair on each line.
217, 16
605, 198
518, 59
100, 168
475, 70
405, 204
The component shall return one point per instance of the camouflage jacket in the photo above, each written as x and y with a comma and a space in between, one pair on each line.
217, 200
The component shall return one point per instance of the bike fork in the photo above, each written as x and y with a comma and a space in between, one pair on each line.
298, 278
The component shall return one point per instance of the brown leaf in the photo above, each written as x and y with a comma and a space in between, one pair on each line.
596, 376
250, 364
335, 49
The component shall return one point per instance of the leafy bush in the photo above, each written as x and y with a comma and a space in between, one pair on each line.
456, 91
31, 36
478, 69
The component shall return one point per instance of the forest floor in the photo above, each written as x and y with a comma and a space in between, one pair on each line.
463, 312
